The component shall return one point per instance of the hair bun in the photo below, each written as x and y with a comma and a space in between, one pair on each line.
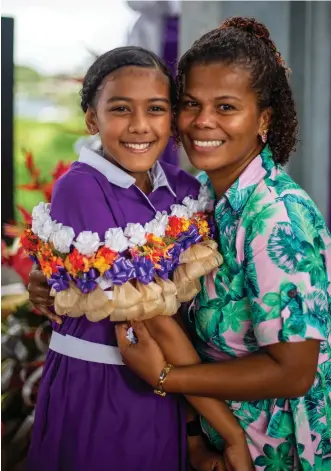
247, 24
259, 30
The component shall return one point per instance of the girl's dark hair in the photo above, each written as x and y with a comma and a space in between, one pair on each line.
247, 43
116, 59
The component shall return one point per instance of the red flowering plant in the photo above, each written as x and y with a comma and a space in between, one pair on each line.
16, 255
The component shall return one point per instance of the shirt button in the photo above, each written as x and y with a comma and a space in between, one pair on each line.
292, 293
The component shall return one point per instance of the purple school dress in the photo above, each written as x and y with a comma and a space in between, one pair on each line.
93, 416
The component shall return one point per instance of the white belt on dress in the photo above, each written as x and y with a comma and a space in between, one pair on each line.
84, 350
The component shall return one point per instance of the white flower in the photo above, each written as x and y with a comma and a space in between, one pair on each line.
63, 239
179, 210
103, 283
116, 240
49, 227
158, 225
87, 243
40, 214
205, 200
204, 192
40, 210
192, 205
136, 234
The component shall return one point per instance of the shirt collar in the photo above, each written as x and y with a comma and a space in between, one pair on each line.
238, 194
119, 177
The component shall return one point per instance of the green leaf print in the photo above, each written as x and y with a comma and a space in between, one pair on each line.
254, 206
281, 425
313, 263
317, 311
276, 459
302, 216
272, 300
228, 249
283, 184
284, 247
239, 197
224, 218
258, 313
251, 283
208, 318
261, 221
236, 290
295, 324
250, 341
220, 342
234, 314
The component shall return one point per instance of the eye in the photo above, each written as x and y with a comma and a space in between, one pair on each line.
225, 107
120, 109
157, 109
189, 104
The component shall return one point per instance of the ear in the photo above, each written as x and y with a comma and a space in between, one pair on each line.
91, 121
265, 121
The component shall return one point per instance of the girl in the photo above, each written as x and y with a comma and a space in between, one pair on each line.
262, 320
92, 412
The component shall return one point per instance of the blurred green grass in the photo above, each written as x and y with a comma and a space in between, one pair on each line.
49, 143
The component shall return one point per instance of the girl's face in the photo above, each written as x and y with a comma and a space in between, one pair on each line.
133, 116
219, 120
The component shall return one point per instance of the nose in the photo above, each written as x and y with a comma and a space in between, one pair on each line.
204, 120
139, 123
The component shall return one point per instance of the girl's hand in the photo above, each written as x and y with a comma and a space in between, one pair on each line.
144, 358
39, 295
202, 458
237, 456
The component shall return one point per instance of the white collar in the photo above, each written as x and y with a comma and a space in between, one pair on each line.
119, 177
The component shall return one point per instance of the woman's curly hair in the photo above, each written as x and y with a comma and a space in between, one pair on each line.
247, 43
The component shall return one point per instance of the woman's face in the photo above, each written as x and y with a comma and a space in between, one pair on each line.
133, 116
219, 120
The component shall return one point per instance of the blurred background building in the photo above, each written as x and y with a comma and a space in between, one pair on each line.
46, 48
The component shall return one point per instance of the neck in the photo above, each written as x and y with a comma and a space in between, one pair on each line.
223, 178
143, 181
142, 178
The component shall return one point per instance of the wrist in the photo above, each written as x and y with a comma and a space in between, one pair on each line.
236, 436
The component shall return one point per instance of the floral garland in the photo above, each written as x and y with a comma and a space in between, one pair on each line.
137, 252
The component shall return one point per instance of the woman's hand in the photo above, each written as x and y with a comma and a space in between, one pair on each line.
39, 293
203, 458
144, 358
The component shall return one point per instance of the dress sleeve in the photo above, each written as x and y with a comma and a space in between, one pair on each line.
79, 201
285, 274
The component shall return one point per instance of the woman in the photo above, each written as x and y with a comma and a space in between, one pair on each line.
262, 321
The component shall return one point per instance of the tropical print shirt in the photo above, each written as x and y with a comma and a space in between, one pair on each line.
274, 286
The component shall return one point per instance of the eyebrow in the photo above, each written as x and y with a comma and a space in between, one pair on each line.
222, 97
130, 100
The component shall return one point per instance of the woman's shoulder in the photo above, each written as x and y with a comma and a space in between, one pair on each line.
280, 199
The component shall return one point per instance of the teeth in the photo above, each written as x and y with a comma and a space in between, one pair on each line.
137, 146
208, 143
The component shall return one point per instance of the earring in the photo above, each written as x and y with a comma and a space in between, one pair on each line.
264, 136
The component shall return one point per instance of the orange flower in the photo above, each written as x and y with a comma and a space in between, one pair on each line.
104, 259
176, 225
29, 241
75, 263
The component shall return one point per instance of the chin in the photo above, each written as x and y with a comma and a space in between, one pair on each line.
205, 164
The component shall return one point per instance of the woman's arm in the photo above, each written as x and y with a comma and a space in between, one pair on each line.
178, 350
283, 370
